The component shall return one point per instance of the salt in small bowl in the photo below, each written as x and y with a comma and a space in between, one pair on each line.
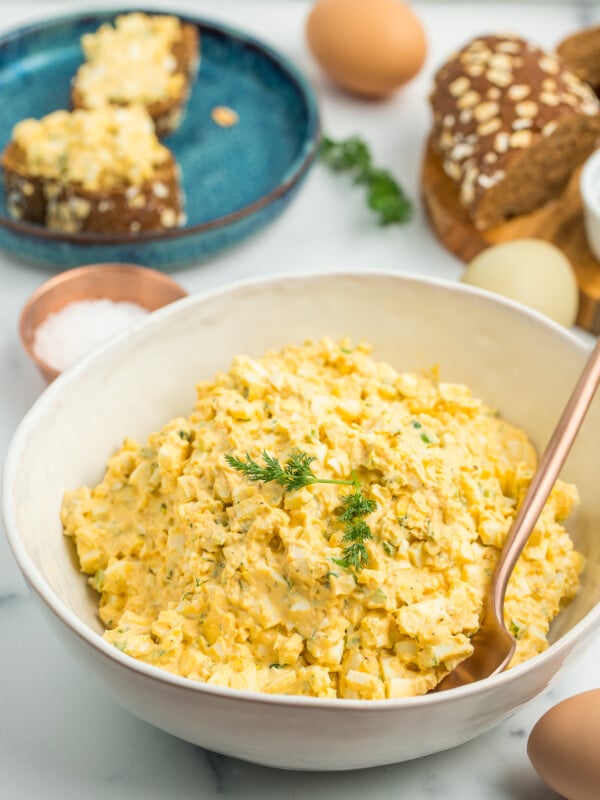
145, 287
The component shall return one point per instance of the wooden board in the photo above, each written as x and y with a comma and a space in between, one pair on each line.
559, 222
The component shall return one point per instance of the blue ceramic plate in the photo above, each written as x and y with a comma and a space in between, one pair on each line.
235, 179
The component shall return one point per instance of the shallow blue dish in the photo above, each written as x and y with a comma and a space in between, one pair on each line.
235, 179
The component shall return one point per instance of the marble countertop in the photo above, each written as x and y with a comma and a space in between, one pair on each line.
60, 735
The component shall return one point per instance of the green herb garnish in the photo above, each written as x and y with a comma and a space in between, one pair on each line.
384, 195
296, 473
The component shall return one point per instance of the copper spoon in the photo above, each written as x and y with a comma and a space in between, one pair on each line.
493, 645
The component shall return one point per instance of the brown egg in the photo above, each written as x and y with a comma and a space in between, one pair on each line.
370, 47
564, 747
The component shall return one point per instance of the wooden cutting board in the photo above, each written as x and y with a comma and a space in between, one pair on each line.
559, 222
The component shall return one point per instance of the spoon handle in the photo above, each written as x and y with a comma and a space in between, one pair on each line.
545, 476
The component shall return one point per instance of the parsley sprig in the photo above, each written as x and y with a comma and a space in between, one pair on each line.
297, 473
384, 195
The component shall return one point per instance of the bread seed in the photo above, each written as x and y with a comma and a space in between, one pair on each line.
518, 91
568, 98
446, 140
137, 201
474, 70
500, 61
485, 111
549, 128
501, 142
527, 109
80, 207
467, 193
549, 65
521, 139
160, 190
508, 47
549, 98
490, 158
520, 124
168, 218
486, 181
459, 86
498, 77
452, 169
468, 99
448, 120
590, 108
461, 151
489, 127
465, 116
549, 85
494, 93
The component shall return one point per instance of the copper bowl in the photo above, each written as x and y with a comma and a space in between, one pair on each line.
117, 282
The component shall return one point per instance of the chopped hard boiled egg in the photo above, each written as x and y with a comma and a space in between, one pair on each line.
244, 584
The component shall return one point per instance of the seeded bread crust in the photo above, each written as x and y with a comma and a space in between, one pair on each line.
166, 114
153, 206
510, 126
580, 53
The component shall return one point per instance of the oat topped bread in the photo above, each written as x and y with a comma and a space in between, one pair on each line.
580, 53
142, 59
96, 170
510, 126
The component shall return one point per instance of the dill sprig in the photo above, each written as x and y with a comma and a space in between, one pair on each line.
384, 195
297, 473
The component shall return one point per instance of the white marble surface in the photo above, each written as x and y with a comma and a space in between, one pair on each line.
60, 735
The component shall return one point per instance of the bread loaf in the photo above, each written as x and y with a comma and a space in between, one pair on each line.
146, 59
580, 53
510, 126
101, 171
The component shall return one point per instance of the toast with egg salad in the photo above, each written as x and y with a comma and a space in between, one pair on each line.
143, 59
321, 524
100, 171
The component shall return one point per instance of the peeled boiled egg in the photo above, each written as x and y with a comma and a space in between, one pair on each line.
530, 271
370, 47
564, 747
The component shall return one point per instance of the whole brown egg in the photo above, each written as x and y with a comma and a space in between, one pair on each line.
369, 47
564, 747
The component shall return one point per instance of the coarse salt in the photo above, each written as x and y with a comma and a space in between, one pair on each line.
67, 335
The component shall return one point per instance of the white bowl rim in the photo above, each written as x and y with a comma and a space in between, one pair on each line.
37, 582
590, 192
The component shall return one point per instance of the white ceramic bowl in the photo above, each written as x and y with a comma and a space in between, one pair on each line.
512, 357
589, 187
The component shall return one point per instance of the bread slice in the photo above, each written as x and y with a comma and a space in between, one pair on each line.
147, 59
580, 53
511, 124
100, 171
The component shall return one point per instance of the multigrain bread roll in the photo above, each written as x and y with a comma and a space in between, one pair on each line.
510, 126
145, 59
580, 53
101, 171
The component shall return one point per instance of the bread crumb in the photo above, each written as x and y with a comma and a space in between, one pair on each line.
224, 116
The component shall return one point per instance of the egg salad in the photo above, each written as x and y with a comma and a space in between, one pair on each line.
246, 583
